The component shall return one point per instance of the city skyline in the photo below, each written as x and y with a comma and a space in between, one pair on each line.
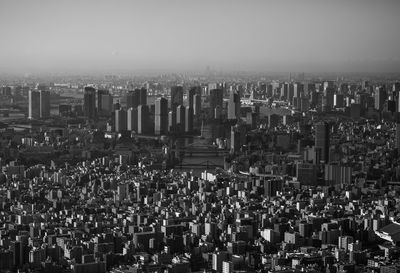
275, 36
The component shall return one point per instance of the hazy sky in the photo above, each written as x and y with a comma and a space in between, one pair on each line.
119, 35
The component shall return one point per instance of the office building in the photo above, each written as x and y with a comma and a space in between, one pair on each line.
44, 104
216, 99
99, 103
106, 105
34, 104
180, 118
120, 120
380, 97
322, 140
133, 98
161, 116
188, 119
89, 102
195, 90
306, 173
171, 121
143, 119
176, 97
132, 119
197, 105
234, 106
337, 174
272, 186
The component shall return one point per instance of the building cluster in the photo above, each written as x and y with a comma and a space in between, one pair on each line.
310, 181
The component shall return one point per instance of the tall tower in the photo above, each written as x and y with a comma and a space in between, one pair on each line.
197, 105
133, 98
143, 119
143, 96
89, 102
398, 137
379, 97
180, 118
44, 104
188, 119
233, 106
216, 99
132, 119
34, 104
120, 120
161, 116
322, 140
176, 97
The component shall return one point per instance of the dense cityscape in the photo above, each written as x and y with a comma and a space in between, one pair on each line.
212, 136
197, 174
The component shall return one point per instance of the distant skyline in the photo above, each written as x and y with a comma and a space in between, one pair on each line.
98, 36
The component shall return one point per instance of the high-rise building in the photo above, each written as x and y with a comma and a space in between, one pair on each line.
380, 97
306, 173
132, 119
322, 140
191, 93
197, 105
99, 104
120, 120
327, 100
89, 102
106, 105
171, 121
188, 119
44, 103
234, 106
176, 97
398, 137
161, 116
133, 98
216, 99
143, 96
143, 119
34, 104
180, 118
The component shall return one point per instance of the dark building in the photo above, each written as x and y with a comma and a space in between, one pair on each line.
161, 116
143, 119
132, 119
234, 106
188, 119
180, 118
89, 102
322, 140
176, 97
120, 120
216, 99
197, 105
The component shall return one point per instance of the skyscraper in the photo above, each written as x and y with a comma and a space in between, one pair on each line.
106, 104
133, 98
216, 99
176, 97
44, 103
188, 119
380, 97
398, 137
143, 96
197, 105
234, 106
180, 118
132, 119
120, 120
322, 140
34, 104
89, 102
161, 116
99, 104
143, 119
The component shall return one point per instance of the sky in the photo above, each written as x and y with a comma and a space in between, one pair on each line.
67, 36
